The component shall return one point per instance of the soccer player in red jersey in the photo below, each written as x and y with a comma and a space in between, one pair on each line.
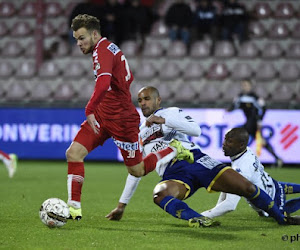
110, 113
10, 161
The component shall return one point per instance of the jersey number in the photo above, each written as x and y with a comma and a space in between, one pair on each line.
127, 77
131, 154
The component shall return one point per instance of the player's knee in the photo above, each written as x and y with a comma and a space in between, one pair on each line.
249, 189
136, 170
72, 154
158, 197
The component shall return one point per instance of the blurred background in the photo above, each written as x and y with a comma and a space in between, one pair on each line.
195, 52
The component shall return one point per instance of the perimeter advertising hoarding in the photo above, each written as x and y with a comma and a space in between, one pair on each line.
46, 133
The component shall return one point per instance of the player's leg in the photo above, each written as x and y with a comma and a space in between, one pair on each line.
231, 181
290, 188
292, 205
169, 194
151, 161
10, 161
84, 142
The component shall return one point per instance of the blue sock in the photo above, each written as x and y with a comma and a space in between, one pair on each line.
290, 188
178, 208
292, 206
263, 201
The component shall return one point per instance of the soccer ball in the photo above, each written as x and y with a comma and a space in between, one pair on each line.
54, 212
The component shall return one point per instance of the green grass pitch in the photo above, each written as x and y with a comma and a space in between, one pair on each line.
143, 226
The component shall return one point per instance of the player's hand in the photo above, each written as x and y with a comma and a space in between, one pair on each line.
117, 213
93, 123
154, 119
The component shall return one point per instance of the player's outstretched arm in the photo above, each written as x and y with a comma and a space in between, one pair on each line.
229, 203
128, 191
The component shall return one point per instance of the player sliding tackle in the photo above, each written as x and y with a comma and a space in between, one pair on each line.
181, 179
248, 165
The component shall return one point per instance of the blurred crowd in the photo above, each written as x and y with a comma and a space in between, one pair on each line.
123, 20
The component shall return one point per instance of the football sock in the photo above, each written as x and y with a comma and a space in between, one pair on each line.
263, 201
290, 188
178, 208
292, 206
75, 181
159, 157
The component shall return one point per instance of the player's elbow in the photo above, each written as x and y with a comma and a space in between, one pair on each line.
196, 131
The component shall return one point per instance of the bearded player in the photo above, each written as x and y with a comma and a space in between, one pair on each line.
109, 113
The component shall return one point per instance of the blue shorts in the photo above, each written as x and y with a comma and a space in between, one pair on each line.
202, 173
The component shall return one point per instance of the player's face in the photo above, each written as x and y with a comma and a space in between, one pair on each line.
246, 87
230, 146
84, 40
148, 103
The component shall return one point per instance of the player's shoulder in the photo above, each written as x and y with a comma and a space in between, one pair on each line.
109, 46
166, 111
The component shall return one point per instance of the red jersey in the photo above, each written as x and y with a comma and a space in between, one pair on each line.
108, 59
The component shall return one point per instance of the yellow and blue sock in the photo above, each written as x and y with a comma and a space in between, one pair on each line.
263, 201
290, 188
178, 208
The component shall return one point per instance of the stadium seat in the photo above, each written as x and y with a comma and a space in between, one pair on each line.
86, 90
272, 50
62, 29
63, 49
27, 9
41, 92
49, 29
231, 91
265, 71
241, 71
64, 92
153, 49
7, 9
200, 49
12, 49
26, 69
262, 10
283, 93
210, 92
145, 71
224, 49
49, 70
30, 51
293, 51
177, 49
289, 72
74, 70
296, 30
6, 70
284, 10
278, 30
159, 30
166, 92
185, 93
217, 71
262, 90
248, 50
21, 29
130, 48
17, 92
193, 71
4, 30
53, 9
256, 29
169, 71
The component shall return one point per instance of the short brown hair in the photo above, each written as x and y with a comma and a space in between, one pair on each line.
85, 21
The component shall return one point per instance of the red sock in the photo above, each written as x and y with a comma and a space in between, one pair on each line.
75, 180
5, 155
151, 160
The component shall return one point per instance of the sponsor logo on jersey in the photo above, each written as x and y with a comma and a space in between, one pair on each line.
159, 146
151, 134
126, 145
113, 48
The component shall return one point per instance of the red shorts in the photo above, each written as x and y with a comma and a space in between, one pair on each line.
125, 134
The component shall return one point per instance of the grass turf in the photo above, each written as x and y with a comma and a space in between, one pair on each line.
143, 226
